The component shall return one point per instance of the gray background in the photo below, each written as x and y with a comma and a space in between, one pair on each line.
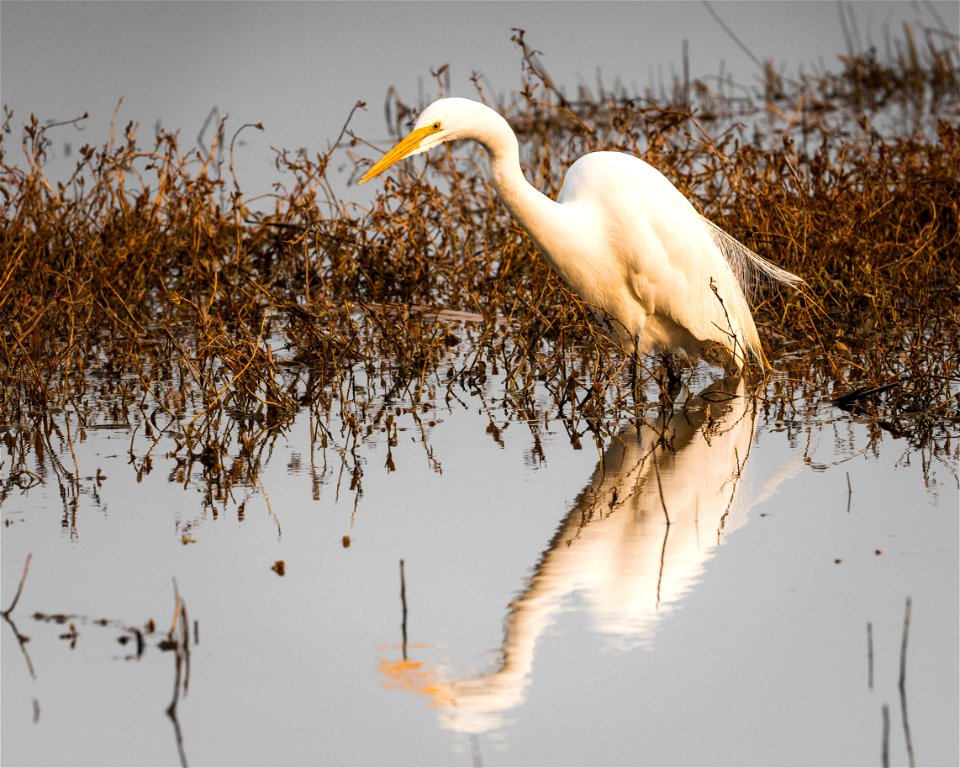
300, 67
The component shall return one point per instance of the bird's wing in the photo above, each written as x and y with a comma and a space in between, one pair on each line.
682, 273
685, 272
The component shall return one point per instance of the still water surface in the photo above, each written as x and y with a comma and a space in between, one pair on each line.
549, 613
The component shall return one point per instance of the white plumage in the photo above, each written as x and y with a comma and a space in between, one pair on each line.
623, 238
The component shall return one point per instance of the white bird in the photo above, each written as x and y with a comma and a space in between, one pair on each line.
623, 238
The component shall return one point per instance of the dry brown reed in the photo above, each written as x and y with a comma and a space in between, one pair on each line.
144, 291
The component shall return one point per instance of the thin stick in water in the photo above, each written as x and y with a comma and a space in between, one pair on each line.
902, 685
403, 602
885, 754
23, 578
663, 503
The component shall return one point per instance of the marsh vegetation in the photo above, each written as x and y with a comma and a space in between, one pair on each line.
148, 293
147, 290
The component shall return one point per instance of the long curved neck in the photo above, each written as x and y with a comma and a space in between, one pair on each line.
540, 216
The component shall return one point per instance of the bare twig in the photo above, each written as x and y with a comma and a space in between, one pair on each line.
23, 579
403, 603
902, 683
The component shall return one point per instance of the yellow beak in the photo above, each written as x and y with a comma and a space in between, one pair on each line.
406, 147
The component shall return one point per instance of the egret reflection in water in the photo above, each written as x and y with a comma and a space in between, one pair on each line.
616, 547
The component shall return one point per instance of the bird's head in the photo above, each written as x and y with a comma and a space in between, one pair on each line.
444, 120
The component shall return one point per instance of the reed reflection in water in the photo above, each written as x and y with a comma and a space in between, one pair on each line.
637, 540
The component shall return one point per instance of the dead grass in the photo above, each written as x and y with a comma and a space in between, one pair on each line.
144, 291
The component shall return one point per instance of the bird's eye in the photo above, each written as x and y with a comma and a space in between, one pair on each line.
436, 126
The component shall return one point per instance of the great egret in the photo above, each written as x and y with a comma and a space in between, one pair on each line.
623, 238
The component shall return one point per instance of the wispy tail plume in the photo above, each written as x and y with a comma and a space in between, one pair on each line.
749, 267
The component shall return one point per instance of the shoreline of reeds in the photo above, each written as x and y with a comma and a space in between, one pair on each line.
147, 268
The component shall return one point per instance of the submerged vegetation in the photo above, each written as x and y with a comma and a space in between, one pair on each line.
147, 291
